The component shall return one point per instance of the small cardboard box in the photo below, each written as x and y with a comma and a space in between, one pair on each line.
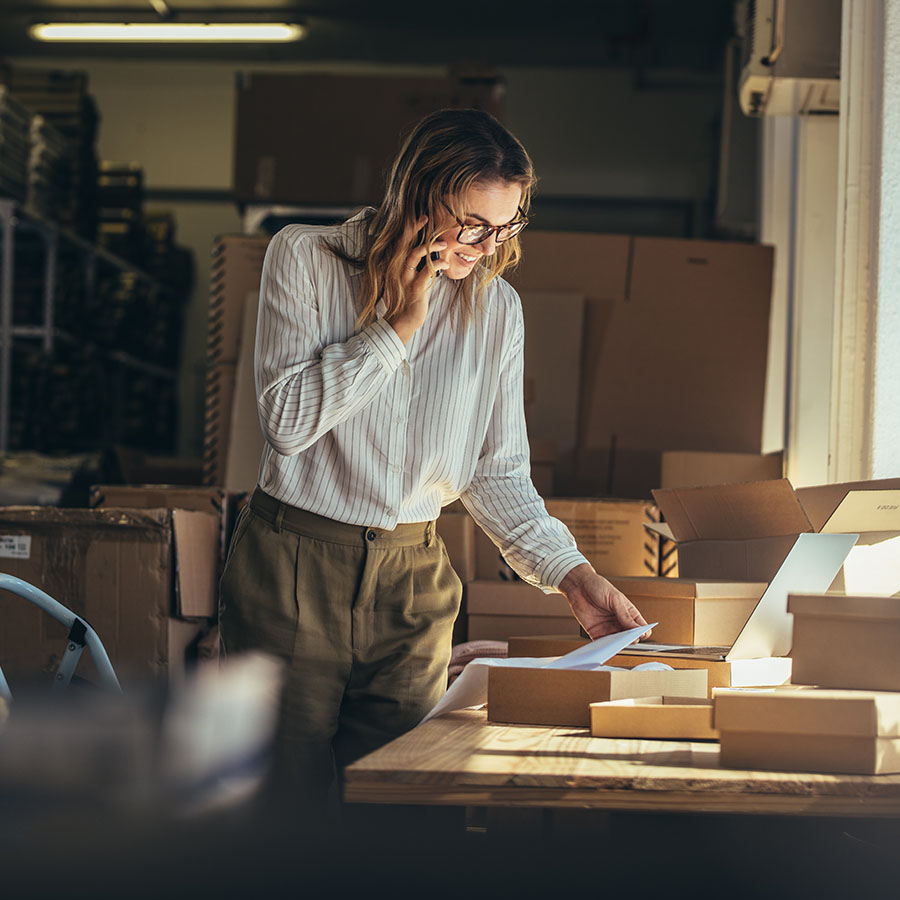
846, 642
134, 575
850, 732
698, 612
526, 696
654, 718
497, 609
744, 531
611, 533
457, 531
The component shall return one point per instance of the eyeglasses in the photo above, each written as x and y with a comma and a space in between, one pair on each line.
475, 234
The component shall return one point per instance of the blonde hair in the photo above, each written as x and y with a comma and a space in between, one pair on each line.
444, 155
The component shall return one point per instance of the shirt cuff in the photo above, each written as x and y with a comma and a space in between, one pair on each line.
557, 566
385, 343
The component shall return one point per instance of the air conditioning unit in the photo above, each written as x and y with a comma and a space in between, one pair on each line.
791, 61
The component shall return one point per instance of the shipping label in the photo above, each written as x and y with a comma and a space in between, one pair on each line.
15, 546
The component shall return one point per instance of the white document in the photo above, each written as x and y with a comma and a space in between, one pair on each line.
470, 689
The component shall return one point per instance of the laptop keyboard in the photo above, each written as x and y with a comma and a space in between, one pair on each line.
685, 650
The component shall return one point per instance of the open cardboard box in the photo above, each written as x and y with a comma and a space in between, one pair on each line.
529, 696
745, 531
654, 718
846, 642
852, 732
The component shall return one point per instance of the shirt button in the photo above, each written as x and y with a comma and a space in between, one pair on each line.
371, 535
392, 513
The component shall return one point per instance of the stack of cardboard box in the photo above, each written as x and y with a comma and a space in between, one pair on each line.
498, 605
844, 649
848, 721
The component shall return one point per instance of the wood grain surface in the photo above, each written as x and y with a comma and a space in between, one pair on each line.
461, 759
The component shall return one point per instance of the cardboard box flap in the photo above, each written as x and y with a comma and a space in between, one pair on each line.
196, 551
831, 712
821, 502
153, 524
158, 496
866, 512
754, 509
841, 607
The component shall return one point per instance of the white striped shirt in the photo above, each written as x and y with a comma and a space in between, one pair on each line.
365, 430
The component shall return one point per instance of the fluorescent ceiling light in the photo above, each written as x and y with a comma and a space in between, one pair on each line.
227, 32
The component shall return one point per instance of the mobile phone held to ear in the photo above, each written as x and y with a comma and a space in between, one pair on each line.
434, 258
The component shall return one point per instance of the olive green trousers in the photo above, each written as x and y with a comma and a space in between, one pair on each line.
362, 618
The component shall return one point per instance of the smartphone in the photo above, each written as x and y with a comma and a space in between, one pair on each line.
421, 238
434, 257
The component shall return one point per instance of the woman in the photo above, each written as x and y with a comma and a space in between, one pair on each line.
389, 359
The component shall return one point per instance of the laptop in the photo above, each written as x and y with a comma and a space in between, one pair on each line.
809, 568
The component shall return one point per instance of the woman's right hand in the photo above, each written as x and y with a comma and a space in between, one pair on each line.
417, 286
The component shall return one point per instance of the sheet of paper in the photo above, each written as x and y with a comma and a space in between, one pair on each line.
470, 689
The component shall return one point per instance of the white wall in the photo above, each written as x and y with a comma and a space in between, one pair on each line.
591, 133
809, 421
886, 413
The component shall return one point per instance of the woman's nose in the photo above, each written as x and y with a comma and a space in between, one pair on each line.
488, 246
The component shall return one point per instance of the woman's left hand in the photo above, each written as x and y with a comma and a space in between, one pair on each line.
599, 607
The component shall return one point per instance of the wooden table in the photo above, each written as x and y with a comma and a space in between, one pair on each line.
460, 759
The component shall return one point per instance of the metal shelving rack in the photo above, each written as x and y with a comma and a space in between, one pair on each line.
13, 220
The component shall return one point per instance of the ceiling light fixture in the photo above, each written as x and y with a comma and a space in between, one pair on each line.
165, 32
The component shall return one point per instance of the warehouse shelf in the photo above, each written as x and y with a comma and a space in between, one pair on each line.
16, 221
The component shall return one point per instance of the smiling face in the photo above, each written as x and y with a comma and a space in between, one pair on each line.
495, 203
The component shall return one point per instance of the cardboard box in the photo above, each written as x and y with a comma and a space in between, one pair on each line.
497, 609
527, 696
852, 732
744, 531
216, 501
457, 530
553, 365
692, 611
846, 642
538, 645
612, 533
544, 456
341, 133
689, 311
693, 468
132, 574
768, 671
489, 562
218, 401
235, 271
655, 718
